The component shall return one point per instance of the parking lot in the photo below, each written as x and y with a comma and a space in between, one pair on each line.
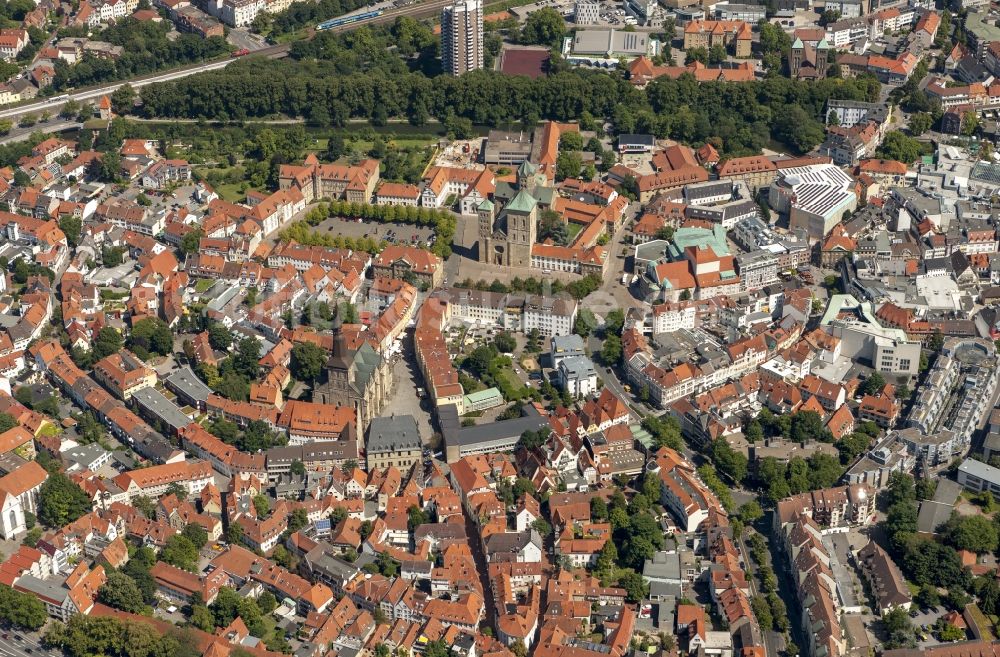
395, 233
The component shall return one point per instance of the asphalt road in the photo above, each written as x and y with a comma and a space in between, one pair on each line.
27, 646
52, 105
18, 133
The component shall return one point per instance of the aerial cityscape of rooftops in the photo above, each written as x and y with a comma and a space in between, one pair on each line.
488, 328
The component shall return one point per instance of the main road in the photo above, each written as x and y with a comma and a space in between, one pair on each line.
51, 105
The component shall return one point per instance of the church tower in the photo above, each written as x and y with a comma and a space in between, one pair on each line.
485, 212
526, 180
522, 228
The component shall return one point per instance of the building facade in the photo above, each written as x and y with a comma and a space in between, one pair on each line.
462, 36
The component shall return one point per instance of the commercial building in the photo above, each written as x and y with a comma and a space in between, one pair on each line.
604, 48
393, 441
462, 36
587, 12
502, 436
815, 197
978, 476
577, 375
566, 346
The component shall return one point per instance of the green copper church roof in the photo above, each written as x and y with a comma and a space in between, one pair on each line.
523, 203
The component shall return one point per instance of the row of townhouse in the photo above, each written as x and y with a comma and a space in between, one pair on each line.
153, 482
842, 33
552, 315
272, 465
50, 358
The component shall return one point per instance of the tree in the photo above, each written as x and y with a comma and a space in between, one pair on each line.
177, 490
664, 233
698, 54
568, 164
120, 592
598, 509
60, 501
852, 445
989, 594
191, 241
635, 585
873, 385
416, 517
151, 335
109, 167
899, 489
219, 337
611, 350
261, 505
900, 523
936, 342
773, 39
196, 534
970, 123
307, 361
717, 54
762, 610
795, 127
728, 461
614, 322
109, 341
750, 512
948, 632
247, 357
544, 27
898, 146
505, 342
123, 99
897, 626
920, 123
665, 430
21, 610
927, 597
180, 552
71, 227
542, 526
202, 618
584, 323
531, 440
571, 140
974, 533
7, 422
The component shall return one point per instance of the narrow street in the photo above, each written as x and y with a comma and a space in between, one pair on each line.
476, 547
773, 642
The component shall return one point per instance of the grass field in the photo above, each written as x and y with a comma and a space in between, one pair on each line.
230, 192
573, 230
203, 284
510, 385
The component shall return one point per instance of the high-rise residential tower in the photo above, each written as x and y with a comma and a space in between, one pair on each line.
462, 36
